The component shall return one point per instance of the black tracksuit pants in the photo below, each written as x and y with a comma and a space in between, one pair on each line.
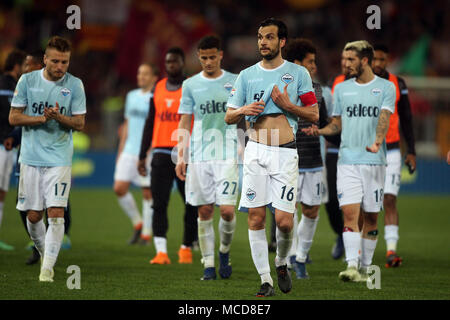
332, 206
162, 176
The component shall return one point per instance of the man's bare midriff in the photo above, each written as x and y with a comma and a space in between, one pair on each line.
272, 130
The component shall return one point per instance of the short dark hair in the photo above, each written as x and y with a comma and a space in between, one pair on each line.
298, 48
59, 43
381, 47
37, 56
282, 28
210, 42
362, 49
15, 57
177, 51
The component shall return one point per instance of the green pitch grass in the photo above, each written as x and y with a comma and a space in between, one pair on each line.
111, 269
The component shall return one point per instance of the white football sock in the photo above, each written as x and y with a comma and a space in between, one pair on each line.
260, 254
1, 213
352, 245
147, 216
284, 242
129, 206
53, 240
293, 250
37, 234
391, 236
160, 244
206, 240
226, 231
367, 250
305, 234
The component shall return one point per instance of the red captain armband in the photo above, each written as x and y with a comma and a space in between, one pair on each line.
308, 99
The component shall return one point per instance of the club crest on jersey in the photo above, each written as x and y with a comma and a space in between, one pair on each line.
376, 91
228, 86
251, 194
232, 92
287, 78
169, 102
65, 92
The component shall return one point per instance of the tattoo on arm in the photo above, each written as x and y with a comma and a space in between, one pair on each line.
333, 128
383, 125
75, 122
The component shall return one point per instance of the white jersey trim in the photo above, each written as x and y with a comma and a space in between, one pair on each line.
229, 105
365, 84
270, 70
79, 112
49, 81
213, 79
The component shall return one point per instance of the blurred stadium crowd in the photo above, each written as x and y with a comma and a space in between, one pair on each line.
116, 35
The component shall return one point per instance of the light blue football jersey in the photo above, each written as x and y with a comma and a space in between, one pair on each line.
137, 105
212, 138
359, 106
256, 83
49, 144
327, 96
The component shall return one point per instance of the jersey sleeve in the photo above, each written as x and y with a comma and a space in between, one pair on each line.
336, 105
305, 89
328, 100
79, 99
388, 102
20, 98
127, 106
237, 96
187, 100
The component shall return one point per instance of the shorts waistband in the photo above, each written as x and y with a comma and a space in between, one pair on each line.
289, 145
393, 145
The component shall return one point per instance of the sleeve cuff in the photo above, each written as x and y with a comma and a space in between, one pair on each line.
184, 112
388, 108
229, 105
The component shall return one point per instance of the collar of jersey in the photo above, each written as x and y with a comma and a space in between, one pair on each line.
367, 83
269, 70
213, 79
49, 81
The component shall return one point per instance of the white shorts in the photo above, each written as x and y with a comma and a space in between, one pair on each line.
126, 170
393, 172
212, 182
361, 184
6, 166
43, 187
324, 196
269, 177
309, 188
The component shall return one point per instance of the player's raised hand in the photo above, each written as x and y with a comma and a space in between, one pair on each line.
141, 167
253, 109
180, 170
52, 113
311, 131
374, 148
281, 99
